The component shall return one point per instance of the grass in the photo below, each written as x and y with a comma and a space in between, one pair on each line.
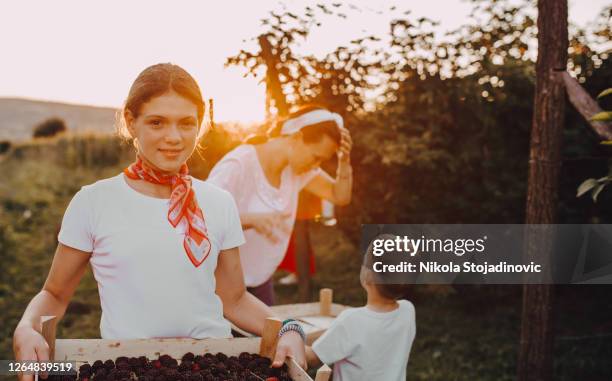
463, 333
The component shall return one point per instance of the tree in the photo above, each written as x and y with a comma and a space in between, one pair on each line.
535, 356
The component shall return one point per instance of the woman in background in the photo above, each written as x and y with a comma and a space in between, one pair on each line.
265, 180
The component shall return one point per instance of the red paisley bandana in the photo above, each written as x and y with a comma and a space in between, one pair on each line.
183, 204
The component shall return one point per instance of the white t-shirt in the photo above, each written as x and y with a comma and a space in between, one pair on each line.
241, 174
148, 286
367, 345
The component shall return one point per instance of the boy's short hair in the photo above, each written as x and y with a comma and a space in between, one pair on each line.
390, 285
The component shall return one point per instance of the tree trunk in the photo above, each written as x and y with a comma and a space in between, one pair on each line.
274, 90
535, 356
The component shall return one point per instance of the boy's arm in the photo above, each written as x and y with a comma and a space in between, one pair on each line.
336, 343
311, 358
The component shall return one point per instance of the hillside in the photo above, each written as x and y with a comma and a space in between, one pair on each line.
18, 117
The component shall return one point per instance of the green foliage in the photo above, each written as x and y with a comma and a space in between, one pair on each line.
603, 116
595, 186
605, 93
452, 117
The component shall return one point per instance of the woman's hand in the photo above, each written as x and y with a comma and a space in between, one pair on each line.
346, 144
290, 345
269, 224
28, 344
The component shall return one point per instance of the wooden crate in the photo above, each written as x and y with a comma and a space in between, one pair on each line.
315, 318
90, 350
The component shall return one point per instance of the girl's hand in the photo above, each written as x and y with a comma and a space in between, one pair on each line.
346, 144
290, 345
28, 344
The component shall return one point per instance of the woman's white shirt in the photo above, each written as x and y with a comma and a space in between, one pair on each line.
148, 286
240, 173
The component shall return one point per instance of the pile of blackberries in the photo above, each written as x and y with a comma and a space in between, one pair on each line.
207, 367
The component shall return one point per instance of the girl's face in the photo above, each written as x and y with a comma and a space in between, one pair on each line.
166, 129
306, 156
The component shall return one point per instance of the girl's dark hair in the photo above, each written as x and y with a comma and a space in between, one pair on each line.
156, 80
311, 134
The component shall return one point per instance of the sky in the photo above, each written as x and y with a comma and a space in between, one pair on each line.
89, 52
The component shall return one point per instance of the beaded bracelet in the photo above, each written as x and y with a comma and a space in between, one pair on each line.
292, 325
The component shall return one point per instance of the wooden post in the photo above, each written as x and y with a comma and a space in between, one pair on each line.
325, 301
302, 257
323, 373
269, 337
47, 330
535, 350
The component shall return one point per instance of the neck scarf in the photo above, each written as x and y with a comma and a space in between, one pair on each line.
183, 205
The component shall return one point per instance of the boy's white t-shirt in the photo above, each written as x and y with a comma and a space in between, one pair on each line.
367, 345
148, 286
241, 174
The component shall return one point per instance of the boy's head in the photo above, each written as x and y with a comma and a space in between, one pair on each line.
389, 285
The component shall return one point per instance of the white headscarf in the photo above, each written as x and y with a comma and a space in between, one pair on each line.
293, 125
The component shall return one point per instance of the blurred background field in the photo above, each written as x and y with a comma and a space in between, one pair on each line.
464, 333
441, 135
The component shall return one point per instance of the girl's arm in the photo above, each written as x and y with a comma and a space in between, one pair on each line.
66, 271
239, 306
246, 311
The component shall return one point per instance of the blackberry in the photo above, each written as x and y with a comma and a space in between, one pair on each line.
165, 359
121, 360
152, 372
98, 364
206, 367
85, 368
195, 377
185, 365
188, 356
101, 373
134, 362
121, 365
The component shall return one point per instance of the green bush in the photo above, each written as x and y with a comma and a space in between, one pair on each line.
49, 128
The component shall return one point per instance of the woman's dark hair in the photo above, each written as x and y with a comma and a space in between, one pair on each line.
312, 133
156, 80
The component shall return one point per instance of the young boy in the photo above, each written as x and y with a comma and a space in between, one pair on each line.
371, 342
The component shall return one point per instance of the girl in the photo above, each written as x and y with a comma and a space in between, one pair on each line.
163, 246
265, 180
